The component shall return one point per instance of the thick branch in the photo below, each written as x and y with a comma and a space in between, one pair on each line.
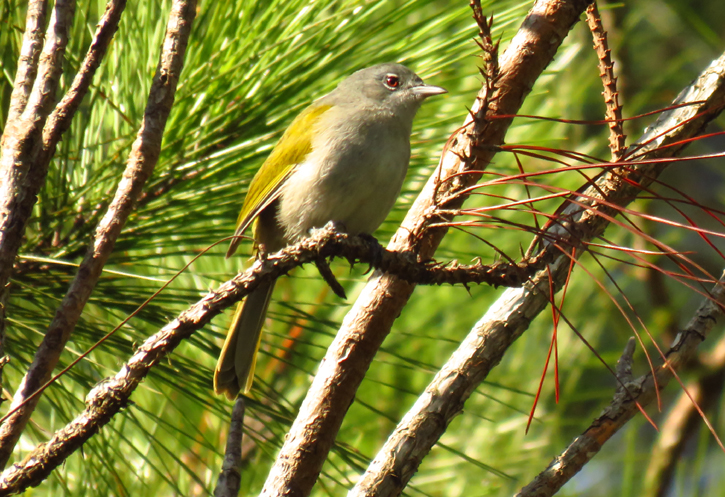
21, 138
641, 391
143, 158
369, 321
511, 315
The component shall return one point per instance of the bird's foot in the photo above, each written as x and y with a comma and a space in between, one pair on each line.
376, 251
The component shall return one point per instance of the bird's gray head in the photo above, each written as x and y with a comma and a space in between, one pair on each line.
392, 86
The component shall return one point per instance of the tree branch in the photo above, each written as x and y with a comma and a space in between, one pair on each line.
28, 60
143, 158
369, 321
684, 421
230, 477
112, 394
624, 406
609, 81
21, 138
60, 120
512, 313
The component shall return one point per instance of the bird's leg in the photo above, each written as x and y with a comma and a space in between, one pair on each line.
338, 226
324, 268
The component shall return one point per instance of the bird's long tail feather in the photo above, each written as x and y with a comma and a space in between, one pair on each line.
235, 367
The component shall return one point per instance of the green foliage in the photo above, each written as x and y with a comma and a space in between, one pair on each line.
251, 67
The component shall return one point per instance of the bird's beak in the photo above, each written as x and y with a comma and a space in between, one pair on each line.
425, 91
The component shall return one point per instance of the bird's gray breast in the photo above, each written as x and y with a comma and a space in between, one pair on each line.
353, 175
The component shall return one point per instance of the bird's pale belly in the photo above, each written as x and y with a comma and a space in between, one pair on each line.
358, 198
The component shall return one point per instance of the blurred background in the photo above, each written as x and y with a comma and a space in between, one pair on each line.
250, 68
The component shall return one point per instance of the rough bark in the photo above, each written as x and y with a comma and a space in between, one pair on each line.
230, 477
33, 96
28, 61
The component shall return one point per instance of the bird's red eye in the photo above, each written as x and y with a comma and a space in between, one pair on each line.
392, 81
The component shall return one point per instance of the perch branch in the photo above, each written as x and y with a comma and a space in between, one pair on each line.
112, 394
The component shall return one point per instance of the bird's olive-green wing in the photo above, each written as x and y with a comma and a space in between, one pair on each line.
291, 150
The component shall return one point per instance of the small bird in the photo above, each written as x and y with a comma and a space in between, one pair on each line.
343, 159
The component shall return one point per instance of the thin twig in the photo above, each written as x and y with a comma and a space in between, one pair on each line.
230, 477
60, 120
369, 321
512, 313
624, 406
143, 158
613, 114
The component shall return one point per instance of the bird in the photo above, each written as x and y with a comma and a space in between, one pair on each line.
342, 159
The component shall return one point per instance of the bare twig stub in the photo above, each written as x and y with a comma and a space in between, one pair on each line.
230, 477
512, 313
369, 321
624, 364
623, 407
143, 158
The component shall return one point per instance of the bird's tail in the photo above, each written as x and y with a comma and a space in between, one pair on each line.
235, 367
